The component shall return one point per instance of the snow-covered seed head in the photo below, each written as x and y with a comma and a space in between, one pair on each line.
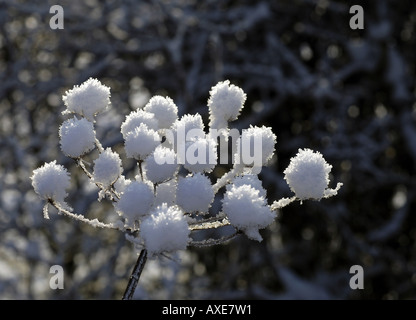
135, 201
141, 142
50, 182
247, 210
165, 230
88, 99
164, 109
225, 104
308, 175
77, 137
256, 146
107, 167
194, 193
200, 155
181, 128
136, 118
248, 179
161, 165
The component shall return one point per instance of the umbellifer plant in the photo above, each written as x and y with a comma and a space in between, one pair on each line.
171, 193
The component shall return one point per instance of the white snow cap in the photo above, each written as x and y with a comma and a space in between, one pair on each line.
107, 167
164, 109
50, 181
77, 137
135, 202
255, 146
225, 104
161, 165
136, 118
308, 176
141, 142
165, 230
247, 210
88, 99
194, 193
249, 179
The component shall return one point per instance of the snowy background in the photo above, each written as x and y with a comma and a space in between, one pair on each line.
348, 94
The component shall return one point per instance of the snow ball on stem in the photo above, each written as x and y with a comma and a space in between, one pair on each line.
107, 168
164, 109
77, 137
195, 193
161, 165
135, 118
225, 104
141, 142
135, 201
247, 210
50, 182
308, 176
257, 141
88, 99
165, 230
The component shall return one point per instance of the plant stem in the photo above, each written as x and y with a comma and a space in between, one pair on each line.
135, 275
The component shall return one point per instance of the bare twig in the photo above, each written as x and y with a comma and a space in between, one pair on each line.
135, 275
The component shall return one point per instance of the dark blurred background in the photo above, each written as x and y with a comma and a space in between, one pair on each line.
348, 94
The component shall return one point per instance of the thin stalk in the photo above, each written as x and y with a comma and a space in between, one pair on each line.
135, 275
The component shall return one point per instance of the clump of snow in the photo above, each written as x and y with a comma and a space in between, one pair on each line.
161, 165
141, 142
247, 210
88, 99
189, 126
164, 109
135, 201
136, 118
50, 181
194, 193
77, 137
225, 104
248, 179
308, 175
165, 230
107, 167
255, 146
200, 155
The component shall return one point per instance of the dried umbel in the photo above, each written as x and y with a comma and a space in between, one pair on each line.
171, 195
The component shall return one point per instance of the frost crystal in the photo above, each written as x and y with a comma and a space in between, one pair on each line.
141, 142
50, 181
135, 202
107, 168
164, 109
308, 176
195, 193
76, 137
165, 230
247, 210
88, 99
